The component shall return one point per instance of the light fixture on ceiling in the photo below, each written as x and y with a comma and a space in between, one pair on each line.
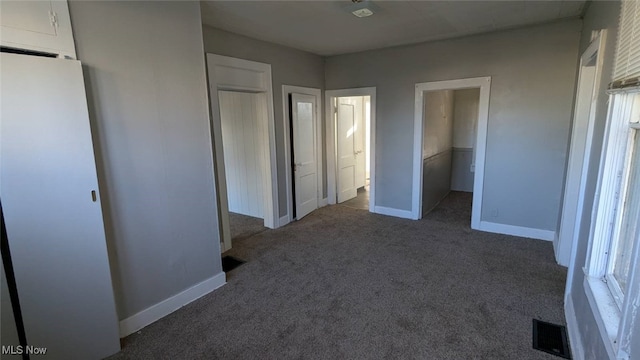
364, 12
361, 8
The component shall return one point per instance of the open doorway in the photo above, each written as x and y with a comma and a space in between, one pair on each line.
243, 131
351, 118
242, 116
450, 143
450, 118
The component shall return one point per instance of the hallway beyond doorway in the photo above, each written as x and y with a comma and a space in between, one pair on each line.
361, 201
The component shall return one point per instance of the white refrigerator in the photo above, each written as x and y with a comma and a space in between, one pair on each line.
52, 211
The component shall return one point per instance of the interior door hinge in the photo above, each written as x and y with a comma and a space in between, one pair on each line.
53, 19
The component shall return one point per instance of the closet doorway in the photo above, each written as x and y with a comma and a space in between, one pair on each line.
450, 143
243, 131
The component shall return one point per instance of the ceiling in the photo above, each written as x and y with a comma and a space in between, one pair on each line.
329, 28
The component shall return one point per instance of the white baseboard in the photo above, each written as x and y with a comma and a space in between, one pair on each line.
577, 350
521, 231
405, 214
156, 312
324, 202
284, 220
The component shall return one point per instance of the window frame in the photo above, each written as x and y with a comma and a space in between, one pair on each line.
611, 308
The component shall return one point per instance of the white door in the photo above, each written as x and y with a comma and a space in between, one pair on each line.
359, 141
346, 150
52, 211
37, 25
304, 153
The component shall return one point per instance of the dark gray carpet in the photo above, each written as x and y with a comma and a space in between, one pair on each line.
346, 284
243, 226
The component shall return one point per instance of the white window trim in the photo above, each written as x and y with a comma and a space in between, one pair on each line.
615, 317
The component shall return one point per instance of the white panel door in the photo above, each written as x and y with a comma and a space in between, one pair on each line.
51, 205
242, 136
346, 159
304, 153
359, 141
37, 25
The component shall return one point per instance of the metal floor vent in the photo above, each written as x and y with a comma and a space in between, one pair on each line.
550, 338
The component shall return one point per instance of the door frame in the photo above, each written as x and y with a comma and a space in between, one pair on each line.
286, 118
484, 83
233, 74
563, 243
331, 141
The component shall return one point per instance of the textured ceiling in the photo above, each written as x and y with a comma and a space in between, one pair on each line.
329, 28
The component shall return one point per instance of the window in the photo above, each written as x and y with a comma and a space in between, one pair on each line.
612, 284
626, 217
615, 235
621, 261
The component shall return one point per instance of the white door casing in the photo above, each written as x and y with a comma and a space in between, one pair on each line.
52, 209
331, 131
346, 150
597, 46
484, 83
581, 138
228, 73
305, 153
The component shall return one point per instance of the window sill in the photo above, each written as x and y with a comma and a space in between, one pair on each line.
606, 312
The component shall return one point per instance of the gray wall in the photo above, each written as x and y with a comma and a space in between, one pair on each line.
437, 122
533, 79
436, 179
288, 67
465, 118
461, 174
146, 86
599, 15
436, 147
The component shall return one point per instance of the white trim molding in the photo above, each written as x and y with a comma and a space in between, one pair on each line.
405, 214
158, 311
329, 95
232, 74
585, 111
606, 313
520, 231
284, 220
484, 83
575, 342
317, 93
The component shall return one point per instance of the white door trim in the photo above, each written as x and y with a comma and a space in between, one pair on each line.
484, 83
227, 73
331, 139
286, 90
569, 231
